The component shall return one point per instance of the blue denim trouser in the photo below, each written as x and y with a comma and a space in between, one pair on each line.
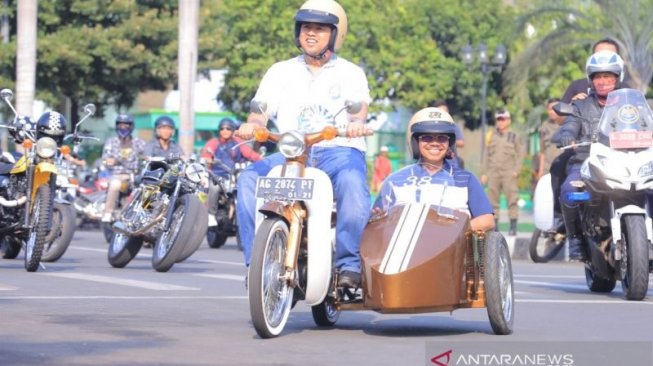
572, 174
348, 172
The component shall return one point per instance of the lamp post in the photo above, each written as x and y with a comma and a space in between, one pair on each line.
487, 66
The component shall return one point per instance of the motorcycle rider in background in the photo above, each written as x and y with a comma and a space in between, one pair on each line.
220, 151
162, 145
121, 150
604, 71
304, 93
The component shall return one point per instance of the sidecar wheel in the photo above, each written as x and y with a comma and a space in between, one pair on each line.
199, 217
499, 289
270, 295
170, 245
39, 218
10, 247
63, 228
634, 264
325, 314
123, 249
543, 246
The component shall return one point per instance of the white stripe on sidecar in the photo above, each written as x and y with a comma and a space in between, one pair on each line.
404, 238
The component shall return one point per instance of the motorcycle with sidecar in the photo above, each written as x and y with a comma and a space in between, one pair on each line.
417, 258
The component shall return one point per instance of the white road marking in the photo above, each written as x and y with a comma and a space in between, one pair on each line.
548, 276
123, 282
7, 288
104, 297
239, 264
553, 285
578, 301
222, 276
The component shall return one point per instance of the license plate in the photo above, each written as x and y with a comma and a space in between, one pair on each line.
631, 139
284, 188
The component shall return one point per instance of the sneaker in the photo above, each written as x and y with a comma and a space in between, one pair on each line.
106, 217
349, 279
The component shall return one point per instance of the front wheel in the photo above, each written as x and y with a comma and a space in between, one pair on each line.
545, 245
107, 231
270, 295
499, 289
326, 313
61, 233
199, 218
634, 263
123, 249
39, 220
170, 245
215, 238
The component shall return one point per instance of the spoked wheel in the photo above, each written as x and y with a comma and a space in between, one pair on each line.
634, 262
39, 220
596, 283
545, 245
61, 232
325, 314
270, 295
170, 244
499, 289
123, 249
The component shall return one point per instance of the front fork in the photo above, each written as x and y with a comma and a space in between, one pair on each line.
296, 215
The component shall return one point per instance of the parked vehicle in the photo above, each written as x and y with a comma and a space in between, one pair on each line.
166, 209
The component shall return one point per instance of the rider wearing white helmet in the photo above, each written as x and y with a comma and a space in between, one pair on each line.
605, 72
305, 93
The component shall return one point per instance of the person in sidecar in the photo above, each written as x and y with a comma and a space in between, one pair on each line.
220, 153
162, 145
123, 151
304, 93
431, 138
605, 72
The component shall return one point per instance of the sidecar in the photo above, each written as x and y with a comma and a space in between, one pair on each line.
417, 259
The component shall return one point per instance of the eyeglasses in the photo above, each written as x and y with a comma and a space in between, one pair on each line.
226, 128
441, 139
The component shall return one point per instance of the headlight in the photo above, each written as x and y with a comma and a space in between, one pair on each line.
646, 169
195, 172
46, 147
291, 144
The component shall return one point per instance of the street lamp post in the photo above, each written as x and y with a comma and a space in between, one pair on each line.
487, 66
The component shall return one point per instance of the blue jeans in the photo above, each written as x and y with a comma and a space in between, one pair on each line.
348, 172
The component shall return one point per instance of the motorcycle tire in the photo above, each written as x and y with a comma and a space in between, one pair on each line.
170, 245
61, 232
325, 314
199, 216
39, 219
107, 231
123, 249
270, 296
499, 286
634, 264
214, 238
543, 246
10, 247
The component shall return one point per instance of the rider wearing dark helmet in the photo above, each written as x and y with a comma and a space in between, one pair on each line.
431, 137
122, 151
162, 145
221, 152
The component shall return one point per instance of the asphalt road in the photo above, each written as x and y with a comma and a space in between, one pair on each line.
81, 311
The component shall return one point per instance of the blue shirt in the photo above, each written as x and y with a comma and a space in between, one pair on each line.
450, 187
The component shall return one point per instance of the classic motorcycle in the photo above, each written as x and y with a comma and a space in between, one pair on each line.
548, 237
224, 223
27, 188
90, 200
613, 195
450, 267
165, 209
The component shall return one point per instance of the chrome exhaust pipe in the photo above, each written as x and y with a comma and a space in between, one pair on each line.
120, 228
12, 203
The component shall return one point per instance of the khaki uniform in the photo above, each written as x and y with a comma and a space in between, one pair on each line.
502, 163
547, 149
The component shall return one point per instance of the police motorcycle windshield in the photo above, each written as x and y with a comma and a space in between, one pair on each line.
627, 121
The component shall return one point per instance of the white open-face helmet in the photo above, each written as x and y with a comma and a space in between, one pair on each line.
427, 121
604, 61
323, 12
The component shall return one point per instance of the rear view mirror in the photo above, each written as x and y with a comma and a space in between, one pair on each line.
353, 107
258, 107
6, 94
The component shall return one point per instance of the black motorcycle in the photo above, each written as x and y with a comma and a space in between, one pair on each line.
166, 209
224, 224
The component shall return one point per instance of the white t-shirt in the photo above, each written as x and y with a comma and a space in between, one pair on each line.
303, 100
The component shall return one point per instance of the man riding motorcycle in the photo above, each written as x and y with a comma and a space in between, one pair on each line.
122, 151
162, 144
604, 71
221, 152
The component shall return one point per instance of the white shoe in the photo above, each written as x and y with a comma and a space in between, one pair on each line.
106, 217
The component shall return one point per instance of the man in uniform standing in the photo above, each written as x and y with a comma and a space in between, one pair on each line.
548, 151
501, 166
